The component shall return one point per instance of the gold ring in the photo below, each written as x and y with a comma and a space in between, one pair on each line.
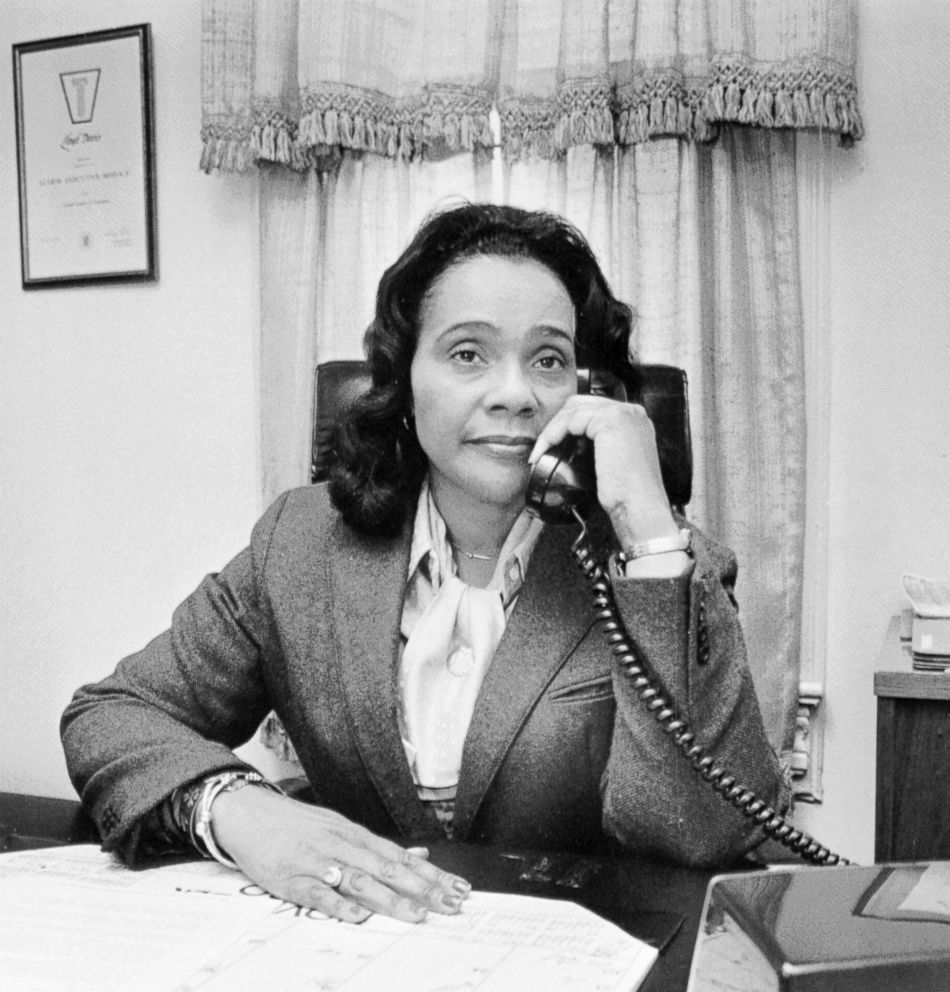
333, 876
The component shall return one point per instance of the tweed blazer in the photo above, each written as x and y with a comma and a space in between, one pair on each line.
560, 753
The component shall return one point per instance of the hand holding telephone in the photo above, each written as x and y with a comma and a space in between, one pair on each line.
562, 488
563, 483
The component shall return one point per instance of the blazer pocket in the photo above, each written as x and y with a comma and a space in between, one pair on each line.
588, 691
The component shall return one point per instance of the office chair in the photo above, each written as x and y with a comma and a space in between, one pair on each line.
662, 390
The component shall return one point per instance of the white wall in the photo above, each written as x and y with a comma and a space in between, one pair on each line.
128, 439
890, 382
129, 458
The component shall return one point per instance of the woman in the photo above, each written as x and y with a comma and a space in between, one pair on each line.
428, 645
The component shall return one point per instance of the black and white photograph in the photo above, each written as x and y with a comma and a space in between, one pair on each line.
473, 495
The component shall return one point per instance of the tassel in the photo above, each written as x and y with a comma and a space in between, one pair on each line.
452, 131
802, 111
763, 109
205, 163
283, 151
844, 114
254, 142
269, 143
747, 110
671, 116
684, 121
656, 115
579, 129
784, 117
623, 127
715, 102
831, 111
348, 130
404, 143
310, 131
643, 122
733, 101
330, 132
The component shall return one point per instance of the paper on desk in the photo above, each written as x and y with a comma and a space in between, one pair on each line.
74, 919
928, 597
931, 894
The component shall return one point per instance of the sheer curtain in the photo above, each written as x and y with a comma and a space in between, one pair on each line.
630, 119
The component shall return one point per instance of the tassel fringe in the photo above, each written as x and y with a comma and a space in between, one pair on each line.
440, 120
449, 119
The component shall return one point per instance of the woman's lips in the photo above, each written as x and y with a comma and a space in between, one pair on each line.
504, 446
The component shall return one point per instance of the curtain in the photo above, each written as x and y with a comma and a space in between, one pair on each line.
665, 130
297, 82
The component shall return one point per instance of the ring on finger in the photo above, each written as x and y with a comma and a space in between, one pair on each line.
333, 876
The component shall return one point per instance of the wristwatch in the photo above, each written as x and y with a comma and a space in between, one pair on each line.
656, 546
202, 834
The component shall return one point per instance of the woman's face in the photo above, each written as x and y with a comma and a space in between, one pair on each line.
493, 363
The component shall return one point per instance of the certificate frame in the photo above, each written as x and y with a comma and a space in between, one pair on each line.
85, 158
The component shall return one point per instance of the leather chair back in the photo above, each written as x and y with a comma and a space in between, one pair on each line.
662, 391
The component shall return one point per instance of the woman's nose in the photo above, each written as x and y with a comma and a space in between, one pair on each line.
512, 389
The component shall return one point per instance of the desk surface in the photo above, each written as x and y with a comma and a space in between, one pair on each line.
650, 900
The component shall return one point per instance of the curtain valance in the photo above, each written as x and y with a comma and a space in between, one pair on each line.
297, 82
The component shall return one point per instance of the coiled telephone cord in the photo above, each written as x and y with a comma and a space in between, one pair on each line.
663, 711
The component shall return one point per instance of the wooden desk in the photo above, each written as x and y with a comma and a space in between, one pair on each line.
647, 899
913, 757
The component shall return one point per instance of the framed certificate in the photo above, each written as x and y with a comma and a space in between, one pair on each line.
85, 149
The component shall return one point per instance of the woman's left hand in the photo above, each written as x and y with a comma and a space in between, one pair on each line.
629, 483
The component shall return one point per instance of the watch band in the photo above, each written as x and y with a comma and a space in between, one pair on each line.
200, 828
656, 546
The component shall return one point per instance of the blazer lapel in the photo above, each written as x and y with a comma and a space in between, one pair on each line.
551, 616
369, 581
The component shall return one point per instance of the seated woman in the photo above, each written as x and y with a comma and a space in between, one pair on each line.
430, 646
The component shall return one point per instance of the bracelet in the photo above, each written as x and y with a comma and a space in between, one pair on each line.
656, 546
200, 829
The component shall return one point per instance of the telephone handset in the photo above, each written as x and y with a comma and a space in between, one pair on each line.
562, 489
562, 486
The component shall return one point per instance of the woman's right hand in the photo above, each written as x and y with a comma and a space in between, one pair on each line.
288, 847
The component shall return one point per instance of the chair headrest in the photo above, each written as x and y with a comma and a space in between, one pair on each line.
662, 390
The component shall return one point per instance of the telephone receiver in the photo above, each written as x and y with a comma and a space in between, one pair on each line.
562, 488
562, 484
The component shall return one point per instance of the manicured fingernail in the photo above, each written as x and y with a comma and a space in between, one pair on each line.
418, 852
461, 886
452, 902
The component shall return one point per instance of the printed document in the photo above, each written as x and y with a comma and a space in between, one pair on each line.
73, 919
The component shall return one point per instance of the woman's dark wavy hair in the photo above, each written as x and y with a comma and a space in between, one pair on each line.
378, 462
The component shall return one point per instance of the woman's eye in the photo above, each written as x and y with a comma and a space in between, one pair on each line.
551, 363
467, 356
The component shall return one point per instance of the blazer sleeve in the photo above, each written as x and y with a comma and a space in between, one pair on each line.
174, 711
687, 634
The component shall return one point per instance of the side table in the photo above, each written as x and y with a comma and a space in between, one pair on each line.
913, 756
